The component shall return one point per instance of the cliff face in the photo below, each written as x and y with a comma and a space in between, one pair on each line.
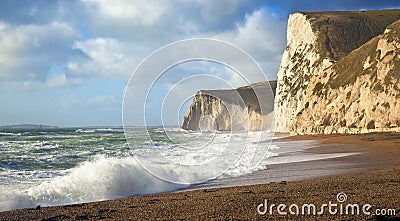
237, 109
340, 73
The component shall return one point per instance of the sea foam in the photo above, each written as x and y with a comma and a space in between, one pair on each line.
104, 178
99, 179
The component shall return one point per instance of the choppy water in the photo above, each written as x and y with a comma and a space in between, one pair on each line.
56, 166
29, 155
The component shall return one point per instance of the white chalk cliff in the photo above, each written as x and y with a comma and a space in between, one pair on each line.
340, 73
236, 109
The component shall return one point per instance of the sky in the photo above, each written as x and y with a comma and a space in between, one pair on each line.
67, 63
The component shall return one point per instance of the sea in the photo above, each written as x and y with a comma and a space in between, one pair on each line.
50, 166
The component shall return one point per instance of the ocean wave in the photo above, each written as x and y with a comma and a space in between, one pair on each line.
100, 179
99, 130
109, 177
10, 134
85, 131
105, 178
112, 130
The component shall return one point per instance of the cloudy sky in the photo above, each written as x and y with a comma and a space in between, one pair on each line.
67, 63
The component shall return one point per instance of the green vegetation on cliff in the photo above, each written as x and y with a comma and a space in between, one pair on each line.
342, 32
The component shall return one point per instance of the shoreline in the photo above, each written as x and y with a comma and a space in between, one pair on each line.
376, 168
377, 150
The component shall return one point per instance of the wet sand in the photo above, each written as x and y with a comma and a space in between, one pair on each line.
370, 177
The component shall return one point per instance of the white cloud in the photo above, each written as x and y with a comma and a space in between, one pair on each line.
121, 33
106, 57
127, 31
145, 21
139, 12
28, 51
62, 81
159, 22
262, 35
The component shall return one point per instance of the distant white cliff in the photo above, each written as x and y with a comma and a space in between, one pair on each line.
236, 109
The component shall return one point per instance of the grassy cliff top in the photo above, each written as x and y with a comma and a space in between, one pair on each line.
351, 67
341, 32
248, 95
270, 85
